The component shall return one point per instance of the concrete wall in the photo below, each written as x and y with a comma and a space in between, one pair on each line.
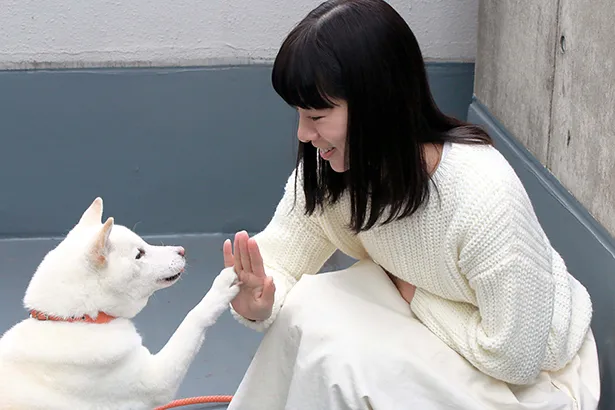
73, 33
545, 88
546, 71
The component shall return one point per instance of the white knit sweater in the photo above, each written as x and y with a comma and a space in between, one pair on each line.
489, 284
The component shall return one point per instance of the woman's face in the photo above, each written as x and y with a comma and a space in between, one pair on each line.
326, 130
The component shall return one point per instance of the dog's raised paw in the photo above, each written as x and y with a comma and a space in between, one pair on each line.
227, 283
223, 290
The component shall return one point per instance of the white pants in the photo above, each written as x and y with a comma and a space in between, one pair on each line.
347, 340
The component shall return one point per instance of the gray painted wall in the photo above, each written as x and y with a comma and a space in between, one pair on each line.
171, 150
546, 70
587, 248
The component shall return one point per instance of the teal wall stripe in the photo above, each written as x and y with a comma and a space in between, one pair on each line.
178, 150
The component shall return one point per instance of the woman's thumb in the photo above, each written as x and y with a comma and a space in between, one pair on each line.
268, 290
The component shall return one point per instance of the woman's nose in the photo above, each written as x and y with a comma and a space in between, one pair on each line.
305, 132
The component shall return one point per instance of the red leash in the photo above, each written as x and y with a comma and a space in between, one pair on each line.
196, 400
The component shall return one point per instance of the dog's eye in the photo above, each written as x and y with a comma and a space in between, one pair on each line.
141, 253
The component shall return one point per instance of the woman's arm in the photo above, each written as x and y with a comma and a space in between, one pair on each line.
508, 261
291, 245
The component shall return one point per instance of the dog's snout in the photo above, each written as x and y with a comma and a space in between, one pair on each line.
181, 251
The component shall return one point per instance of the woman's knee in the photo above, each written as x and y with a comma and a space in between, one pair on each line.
352, 301
307, 305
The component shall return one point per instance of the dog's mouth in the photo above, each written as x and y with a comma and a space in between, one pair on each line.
173, 278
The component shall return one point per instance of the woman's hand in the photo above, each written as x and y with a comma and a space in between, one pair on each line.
406, 290
255, 298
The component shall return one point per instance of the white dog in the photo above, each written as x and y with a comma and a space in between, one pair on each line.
79, 348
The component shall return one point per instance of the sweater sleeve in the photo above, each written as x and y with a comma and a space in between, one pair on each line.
292, 244
507, 260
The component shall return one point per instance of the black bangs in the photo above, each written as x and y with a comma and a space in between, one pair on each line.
304, 73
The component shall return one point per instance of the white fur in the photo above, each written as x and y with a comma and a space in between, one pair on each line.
59, 365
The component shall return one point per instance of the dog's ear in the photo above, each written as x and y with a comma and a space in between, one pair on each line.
100, 247
93, 215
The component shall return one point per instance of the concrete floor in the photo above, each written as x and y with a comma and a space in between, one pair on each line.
228, 348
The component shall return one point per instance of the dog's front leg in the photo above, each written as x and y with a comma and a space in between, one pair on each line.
167, 369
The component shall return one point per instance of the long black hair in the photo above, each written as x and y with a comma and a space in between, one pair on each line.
364, 53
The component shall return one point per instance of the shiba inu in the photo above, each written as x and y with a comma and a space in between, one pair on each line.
79, 348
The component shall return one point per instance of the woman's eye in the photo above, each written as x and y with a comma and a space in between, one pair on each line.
140, 253
316, 118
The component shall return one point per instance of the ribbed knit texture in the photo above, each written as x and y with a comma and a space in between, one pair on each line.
489, 283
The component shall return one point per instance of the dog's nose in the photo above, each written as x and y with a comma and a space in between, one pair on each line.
181, 251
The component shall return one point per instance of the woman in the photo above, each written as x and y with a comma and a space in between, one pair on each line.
480, 311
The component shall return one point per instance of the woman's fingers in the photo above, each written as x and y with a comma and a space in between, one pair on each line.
227, 251
237, 255
246, 257
245, 254
256, 260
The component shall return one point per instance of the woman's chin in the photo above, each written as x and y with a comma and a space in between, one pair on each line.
337, 167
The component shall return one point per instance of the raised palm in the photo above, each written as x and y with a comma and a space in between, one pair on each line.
256, 291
